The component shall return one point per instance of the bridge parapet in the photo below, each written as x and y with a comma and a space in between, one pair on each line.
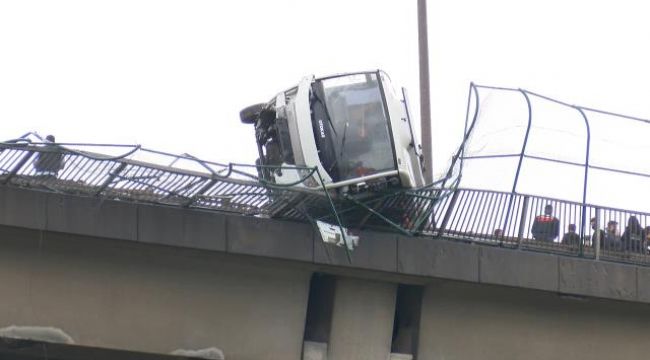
384, 254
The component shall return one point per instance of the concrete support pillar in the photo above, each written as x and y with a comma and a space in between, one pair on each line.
362, 320
116, 295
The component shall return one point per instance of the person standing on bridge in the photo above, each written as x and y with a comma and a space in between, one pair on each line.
546, 227
612, 241
571, 237
49, 161
634, 236
598, 236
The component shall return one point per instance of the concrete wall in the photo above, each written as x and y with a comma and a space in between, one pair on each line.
152, 278
362, 320
384, 254
463, 321
122, 295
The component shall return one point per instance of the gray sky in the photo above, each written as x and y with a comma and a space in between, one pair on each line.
173, 75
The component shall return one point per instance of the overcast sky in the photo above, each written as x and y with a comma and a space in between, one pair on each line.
173, 75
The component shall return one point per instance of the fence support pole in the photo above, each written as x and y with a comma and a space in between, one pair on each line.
584, 190
112, 175
522, 221
450, 209
522, 154
597, 235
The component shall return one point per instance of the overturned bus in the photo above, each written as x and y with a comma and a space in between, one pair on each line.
354, 128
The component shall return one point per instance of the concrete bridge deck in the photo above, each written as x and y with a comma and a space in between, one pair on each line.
151, 278
389, 254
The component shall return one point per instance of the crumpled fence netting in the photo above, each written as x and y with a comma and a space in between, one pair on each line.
523, 142
138, 154
130, 172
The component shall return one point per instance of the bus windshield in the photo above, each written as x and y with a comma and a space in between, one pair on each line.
356, 127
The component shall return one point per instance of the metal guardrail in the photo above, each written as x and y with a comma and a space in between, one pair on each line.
142, 175
478, 216
570, 228
230, 188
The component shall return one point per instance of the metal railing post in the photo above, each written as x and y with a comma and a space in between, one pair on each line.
597, 235
201, 191
522, 221
450, 209
112, 175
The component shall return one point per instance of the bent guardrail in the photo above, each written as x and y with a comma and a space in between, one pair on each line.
506, 219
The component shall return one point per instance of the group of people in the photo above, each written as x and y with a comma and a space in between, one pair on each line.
635, 238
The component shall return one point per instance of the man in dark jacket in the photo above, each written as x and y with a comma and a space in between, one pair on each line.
634, 236
546, 227
571, 238
598, 234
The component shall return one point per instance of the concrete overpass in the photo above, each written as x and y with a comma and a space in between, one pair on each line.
150, 279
